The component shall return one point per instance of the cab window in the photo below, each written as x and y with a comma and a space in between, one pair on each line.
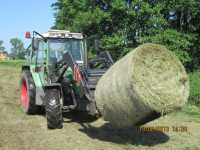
41, 52
58, 47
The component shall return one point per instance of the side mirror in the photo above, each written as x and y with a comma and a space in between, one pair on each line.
35, 44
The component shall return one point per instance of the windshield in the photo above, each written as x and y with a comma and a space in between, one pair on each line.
58, 47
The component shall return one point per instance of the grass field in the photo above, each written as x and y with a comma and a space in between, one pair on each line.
13, 63
22, 132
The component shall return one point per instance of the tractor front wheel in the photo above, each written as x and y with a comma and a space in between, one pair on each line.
53, 109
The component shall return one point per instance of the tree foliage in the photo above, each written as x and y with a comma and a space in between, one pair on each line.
2, 48
124, 24
17, 48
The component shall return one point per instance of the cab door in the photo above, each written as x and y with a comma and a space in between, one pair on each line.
41, 60
38, 65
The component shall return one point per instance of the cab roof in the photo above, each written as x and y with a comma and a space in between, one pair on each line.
62, 34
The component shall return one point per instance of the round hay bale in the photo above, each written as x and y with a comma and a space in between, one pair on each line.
150, 79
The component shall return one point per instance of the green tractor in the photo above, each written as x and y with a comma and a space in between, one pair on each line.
59, 77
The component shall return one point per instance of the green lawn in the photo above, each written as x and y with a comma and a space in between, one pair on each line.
195, 87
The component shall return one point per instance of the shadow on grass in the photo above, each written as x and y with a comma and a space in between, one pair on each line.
125, 135
119, 136
80, 117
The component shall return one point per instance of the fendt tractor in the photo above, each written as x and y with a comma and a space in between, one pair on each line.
59, 77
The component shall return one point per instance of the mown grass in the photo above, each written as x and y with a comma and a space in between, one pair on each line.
21, 132
13, 63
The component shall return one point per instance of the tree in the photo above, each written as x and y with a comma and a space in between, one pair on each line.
2, 48
17, 48
122, 25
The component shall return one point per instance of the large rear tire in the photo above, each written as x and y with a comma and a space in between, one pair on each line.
53, 109
27, 88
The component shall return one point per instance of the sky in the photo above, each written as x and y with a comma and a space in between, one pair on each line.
19, 16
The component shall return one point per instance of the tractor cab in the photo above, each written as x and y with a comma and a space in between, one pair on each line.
59, 42
50, 47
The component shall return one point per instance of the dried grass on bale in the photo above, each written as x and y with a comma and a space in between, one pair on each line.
148, 79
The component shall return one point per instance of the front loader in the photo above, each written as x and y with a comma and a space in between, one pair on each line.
59, 77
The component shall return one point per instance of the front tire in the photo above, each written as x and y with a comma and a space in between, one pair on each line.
53, 109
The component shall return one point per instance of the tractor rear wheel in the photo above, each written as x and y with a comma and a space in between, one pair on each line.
53, 109
27, 88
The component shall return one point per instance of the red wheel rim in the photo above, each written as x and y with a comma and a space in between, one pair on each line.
24, 95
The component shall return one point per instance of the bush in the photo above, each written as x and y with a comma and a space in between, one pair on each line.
175, 41
194, 87
113, 44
